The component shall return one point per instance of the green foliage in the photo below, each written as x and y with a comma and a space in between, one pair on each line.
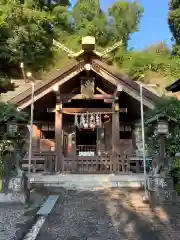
7, 143
5, 83
175, 172
25, 32
174, 24
121, 21
9, 112
6, 147
168, 107
124, 20
155, 59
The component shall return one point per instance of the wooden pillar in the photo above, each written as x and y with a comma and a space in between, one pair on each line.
38, 137
115, 131
58, 136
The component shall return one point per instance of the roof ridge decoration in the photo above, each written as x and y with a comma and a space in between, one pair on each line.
88, 44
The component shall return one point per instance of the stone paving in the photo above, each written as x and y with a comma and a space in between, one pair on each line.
95, 215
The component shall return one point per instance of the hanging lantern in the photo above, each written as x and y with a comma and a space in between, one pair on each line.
91, 121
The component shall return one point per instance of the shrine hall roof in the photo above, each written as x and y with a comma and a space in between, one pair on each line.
23, 94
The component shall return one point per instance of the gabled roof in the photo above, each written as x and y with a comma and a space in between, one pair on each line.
19, 96
128, 81
19, 85
42, 87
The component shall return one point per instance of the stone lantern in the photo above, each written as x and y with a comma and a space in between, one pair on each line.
162, 125
160, 183
12, 128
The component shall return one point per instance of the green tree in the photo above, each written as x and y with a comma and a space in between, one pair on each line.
121, 21
89, 19
26, 32
124, 20
174, 24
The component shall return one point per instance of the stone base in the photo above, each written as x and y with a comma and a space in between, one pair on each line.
13, 197
15, 190
153, 199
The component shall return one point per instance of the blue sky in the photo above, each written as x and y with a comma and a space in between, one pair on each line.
153, 27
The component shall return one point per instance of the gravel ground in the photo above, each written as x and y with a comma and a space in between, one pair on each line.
96, 215
9, 217
104, 214
13, 216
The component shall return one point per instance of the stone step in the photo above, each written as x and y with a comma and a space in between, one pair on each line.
89, 185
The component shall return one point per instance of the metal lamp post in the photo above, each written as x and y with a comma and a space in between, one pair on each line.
145, 198
143, 142
29, 77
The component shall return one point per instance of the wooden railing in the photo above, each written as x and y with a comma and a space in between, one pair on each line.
40, 162
104, 163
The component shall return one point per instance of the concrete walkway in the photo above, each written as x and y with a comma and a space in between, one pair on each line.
99, 215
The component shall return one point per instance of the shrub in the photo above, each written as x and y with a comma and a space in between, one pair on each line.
6, 147
175, 173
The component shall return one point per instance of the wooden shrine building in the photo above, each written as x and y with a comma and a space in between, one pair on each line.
86, 115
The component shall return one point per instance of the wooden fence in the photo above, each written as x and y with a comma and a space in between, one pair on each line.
105, 163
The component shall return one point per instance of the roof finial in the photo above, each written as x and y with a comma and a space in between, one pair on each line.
88, 43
